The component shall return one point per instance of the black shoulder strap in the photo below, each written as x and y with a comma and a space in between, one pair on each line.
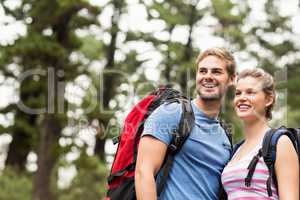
263, 151
252, 164
228, 130
236, 147
296, 133
251, 168
185, 126
268, 152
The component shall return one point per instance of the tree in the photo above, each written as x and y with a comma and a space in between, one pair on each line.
46, 48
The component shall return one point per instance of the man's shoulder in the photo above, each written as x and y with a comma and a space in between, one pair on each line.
169, 109
163, 121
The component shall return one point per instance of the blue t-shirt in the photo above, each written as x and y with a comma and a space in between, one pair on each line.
197, 168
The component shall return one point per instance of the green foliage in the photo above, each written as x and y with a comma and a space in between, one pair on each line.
15, 185
223, 11
89, 183
91, 48
293, 118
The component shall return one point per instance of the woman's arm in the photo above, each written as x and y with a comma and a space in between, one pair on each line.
287, 170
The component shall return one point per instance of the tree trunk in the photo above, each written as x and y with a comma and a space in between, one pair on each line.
47, 156
167, 72
22, 138
188, 52
99, 148
18, 151
109, 80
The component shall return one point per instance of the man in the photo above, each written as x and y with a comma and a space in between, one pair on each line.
197, 167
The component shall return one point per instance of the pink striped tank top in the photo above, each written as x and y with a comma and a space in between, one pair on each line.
233, 180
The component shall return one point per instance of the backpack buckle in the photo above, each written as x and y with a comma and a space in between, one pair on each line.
116, 139
172, 148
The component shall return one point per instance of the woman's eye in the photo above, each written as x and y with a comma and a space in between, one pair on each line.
237, 93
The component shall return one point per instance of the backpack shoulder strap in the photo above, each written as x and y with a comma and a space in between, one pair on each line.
186, 123
269, 148
295, 132
228, 130
252, 165
262, 152
185, 126
236, 147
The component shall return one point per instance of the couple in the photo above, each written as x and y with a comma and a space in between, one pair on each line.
204, 163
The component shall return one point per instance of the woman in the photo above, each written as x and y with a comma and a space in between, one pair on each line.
253, 102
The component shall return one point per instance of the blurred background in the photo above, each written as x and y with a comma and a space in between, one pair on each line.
70, 70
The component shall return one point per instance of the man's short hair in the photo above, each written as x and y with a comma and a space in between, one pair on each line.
222, 54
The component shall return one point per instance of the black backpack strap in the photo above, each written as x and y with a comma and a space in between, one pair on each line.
121, 172
251, 168
296, 133
228, 130
236, 147
185, 126
252, 165
165, 173
269, 152
222, 195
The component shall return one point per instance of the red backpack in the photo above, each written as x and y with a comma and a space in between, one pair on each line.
121, 179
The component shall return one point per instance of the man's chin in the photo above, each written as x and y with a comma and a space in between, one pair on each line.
215, 97
210, 96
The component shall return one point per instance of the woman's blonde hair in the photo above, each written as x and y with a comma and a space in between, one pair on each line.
268, 85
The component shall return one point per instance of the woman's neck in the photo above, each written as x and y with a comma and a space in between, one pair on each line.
255, 131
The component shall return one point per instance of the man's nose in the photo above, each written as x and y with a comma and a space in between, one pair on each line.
208, 74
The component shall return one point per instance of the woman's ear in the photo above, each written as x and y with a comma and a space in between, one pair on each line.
270, 99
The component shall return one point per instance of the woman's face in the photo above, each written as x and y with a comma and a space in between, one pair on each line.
250, 101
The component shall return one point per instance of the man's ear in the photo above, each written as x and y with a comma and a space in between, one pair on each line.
232, 79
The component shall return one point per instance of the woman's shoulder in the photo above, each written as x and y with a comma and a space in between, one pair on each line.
285, 147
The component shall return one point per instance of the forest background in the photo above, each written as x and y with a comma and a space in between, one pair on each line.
70, 70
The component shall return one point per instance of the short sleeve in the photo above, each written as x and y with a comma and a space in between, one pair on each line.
163, 122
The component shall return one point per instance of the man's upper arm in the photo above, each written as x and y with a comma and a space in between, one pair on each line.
157, 135
151, 154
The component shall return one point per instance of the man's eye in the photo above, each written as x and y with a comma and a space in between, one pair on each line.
202, 71
217, 72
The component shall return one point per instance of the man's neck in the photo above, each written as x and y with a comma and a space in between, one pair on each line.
209, 108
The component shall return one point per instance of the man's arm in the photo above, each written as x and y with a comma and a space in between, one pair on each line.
151, 155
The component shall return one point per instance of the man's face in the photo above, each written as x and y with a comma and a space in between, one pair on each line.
212, 78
